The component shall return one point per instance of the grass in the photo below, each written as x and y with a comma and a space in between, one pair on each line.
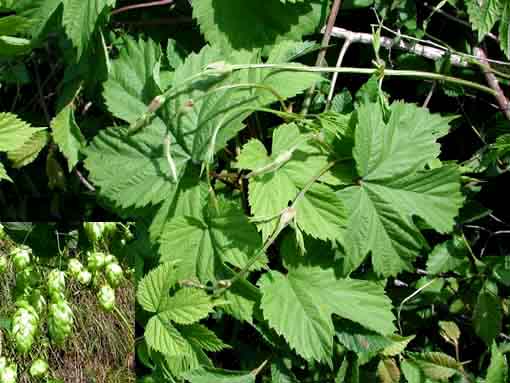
100, 349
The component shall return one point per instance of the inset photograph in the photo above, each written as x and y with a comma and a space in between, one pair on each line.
66, 303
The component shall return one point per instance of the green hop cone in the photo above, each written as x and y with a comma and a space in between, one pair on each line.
21, 257
24, 326
84, 277
106, 296
39, 368
74, 267
97, 231
9, 374
56, 284
3, 363
37, 300
3, 264
60, 321
109, 258
96, 261
114, 274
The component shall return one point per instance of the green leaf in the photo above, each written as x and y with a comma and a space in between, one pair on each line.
67, 135
299, 307
200, 336
449, 331
13, 24
281, 374
394, 187
188, 305
199, 117
451, 255
215, 375
498, 368
201, 245
188, 199
388, 371
399, 147
14, 46
14, 132
359, 339
204, 118
319, 213
80, 19
504, 29
29, 151
483, 14
412, 372
3, 173
436, 365
132, 80
133, 170
398, 344
487, 315
232, 24
153, 289
162, 336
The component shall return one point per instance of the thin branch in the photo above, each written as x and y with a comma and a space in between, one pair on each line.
159, 21
84, 181
492, 81
429, 95
141, 5
386, 42
322, 53
341, 56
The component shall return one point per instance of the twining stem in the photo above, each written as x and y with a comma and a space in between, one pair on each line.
287, 215
223, 70
370, 71
408, 298
343, 51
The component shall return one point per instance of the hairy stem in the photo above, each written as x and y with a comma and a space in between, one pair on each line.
370, 71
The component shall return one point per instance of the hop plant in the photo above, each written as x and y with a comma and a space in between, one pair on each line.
3, 264
24, 326
96, 261
56, 284
21, 257
106, 296
39, 368
84, 277
74, 267
97, 231
60, 321
3, 363
114, 274
37, 300
9, 373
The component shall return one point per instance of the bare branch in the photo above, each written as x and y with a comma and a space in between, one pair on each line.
502, 101
386, 42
